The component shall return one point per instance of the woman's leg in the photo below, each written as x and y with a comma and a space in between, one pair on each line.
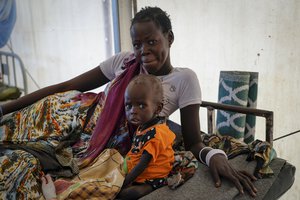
135, 191
40, 125
19, 175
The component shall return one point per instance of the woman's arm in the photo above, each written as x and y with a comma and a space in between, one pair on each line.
84, 82
138, 169
219, 165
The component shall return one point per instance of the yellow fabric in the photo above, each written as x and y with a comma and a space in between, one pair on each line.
102, 179
160, 147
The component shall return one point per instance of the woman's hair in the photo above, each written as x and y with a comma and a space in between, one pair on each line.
155, 14
152, 83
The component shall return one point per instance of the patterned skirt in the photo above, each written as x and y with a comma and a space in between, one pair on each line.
41, 127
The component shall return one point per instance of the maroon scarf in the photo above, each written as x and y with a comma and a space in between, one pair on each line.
112, 114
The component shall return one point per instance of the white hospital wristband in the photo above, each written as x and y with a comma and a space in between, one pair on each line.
213, 152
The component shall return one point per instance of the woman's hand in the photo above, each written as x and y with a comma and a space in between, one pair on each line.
219, 166
48, 187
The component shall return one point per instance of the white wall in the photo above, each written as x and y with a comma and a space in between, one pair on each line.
58, 39
257, 35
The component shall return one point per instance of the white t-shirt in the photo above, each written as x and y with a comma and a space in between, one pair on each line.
181, 87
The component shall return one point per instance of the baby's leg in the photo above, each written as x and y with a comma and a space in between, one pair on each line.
135, 191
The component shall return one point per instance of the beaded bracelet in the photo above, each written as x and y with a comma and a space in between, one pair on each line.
213, 152
200, 153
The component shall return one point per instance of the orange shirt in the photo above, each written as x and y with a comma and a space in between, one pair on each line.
157, 140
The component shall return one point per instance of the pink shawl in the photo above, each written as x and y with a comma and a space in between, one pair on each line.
112, 113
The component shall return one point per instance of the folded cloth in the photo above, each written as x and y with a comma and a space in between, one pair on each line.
102, 179
258, 150
183, 169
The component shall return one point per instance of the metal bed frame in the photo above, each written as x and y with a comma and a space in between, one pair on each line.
211, 107
13, 72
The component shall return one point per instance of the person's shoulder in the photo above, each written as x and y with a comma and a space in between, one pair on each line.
113, 66
124, 55
185, 73
119, 59
164, 133
163, 129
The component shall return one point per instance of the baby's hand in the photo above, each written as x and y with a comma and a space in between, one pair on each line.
48, 187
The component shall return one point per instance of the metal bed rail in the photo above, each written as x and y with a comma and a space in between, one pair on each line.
13, 71
210, 106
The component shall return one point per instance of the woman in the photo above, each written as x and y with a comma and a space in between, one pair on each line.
152, 38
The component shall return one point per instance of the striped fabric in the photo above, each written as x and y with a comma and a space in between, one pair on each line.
237, 88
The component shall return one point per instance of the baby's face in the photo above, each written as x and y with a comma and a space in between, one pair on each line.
139, 104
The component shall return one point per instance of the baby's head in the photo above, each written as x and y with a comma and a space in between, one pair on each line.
143, 99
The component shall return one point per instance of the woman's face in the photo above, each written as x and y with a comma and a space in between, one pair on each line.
151, 46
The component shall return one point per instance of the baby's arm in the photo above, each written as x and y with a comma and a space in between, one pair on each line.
48, 187
138, 169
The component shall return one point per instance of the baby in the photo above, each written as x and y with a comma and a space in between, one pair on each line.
151, 156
